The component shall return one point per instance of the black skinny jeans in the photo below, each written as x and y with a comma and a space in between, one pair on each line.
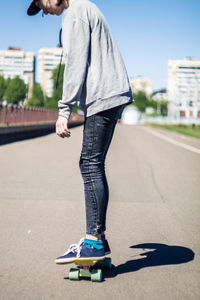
97, 135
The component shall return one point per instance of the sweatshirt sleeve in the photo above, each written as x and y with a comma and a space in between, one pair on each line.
76, 44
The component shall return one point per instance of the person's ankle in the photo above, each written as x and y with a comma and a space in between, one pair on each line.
95, 237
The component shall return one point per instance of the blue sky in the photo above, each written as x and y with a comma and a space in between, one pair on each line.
148, 32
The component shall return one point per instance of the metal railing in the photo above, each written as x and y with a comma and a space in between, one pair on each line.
19, 115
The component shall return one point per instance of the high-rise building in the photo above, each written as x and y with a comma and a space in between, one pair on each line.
15, 62
141, 84
184, 87
48, 60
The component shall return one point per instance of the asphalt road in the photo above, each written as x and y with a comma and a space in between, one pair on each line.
153, 223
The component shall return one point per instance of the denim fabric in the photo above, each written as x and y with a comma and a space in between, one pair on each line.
97, 135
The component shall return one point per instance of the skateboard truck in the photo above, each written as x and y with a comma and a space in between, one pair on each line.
89, 268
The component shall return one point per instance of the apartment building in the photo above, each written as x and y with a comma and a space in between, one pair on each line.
15, 62
48, 60
184, 87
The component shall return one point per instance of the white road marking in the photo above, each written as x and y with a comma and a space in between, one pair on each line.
172, 141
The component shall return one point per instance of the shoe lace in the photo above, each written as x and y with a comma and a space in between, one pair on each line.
75, 248
80, 245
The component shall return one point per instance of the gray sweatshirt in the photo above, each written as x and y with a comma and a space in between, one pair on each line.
95, 75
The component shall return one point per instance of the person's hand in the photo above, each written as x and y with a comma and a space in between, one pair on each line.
62, 127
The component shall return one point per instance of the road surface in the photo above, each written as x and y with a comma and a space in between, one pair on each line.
153, 223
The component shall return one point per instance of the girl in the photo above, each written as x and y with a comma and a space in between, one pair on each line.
95, 77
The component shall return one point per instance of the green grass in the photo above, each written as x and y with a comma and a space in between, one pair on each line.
191, 130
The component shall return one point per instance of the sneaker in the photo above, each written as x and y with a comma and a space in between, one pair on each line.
106, 247
82, 250
105, 244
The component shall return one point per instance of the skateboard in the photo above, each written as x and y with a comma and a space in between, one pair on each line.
89, 268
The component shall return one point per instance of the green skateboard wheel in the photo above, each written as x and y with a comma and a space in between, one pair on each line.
96, 275
74, 274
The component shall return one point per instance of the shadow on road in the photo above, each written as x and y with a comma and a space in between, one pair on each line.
153, 255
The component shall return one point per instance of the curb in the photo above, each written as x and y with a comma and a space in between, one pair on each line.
11, 134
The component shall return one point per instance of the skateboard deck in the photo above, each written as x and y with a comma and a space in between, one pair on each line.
89, 268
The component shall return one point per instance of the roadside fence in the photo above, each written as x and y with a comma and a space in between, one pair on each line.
12, 115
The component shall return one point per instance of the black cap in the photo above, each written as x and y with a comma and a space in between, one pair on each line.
33, 9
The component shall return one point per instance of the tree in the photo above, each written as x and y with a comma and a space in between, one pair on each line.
152, 103
141, 101
16, 90
52, 102
57, 91
7, 82
2, 87
37, 98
